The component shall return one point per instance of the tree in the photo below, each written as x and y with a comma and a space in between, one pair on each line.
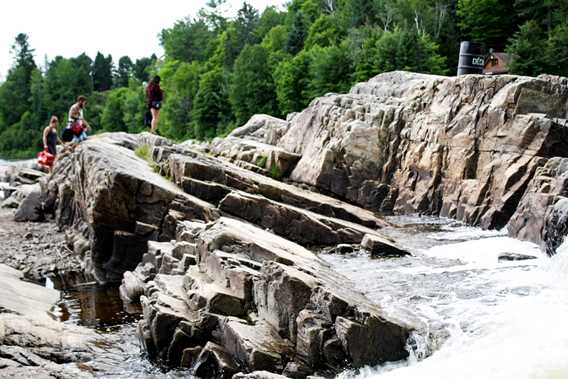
15, 92
123, 72
180, 83
526, 59
325, 31
252, 87
402, 50
491, 22
211, 111
269, 19
187, 40
102, 72
245, 24
329, 71
297, 34
291, 77
142, 67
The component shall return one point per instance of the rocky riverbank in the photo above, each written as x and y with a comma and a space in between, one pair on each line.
218, 240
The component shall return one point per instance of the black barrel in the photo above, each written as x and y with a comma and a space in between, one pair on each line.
472, 58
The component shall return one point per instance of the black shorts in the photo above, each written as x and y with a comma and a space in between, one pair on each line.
67, 135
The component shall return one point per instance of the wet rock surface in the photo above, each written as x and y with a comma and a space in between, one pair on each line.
31, 342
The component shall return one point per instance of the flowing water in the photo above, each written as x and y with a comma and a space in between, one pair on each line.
478, 316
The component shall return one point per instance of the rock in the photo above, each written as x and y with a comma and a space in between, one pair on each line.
32, 344
118, 202
189, 356
542, 214
296, 224
382, 247
132, 288
257, 346
214, 362
461, 147
258, 375
198, 166
514, 257
270, 303
262, 128
276, 161
31, 206
386, 338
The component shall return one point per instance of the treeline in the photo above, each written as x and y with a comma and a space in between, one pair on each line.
218, 71
29, 96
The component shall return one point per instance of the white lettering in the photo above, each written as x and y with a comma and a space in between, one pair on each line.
478, 61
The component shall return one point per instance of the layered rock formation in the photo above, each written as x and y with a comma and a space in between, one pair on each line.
225, 282
115, 201
463, 147
218, 250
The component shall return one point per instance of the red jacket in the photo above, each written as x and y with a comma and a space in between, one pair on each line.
153, 93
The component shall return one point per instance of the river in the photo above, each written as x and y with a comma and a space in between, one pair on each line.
478, 316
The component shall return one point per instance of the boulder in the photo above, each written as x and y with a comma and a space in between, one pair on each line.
118, 202
214, 362
196, 165
270, 303
293, 223
382, 247
542, 214
462, 147
31, 206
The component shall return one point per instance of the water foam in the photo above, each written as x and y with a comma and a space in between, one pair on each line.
514, 332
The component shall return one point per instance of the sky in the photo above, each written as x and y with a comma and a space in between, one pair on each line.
118, 27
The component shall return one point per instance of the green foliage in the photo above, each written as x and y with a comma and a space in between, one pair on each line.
252, 87
401, 50
329, 71
325, 31
275, 171
269, 19
187, 40
102, 72
291, 77
123, 110
261, 161
491, 22
297, 34
181, 83
142, 68
211, 111
123, 72
143, 152
21, 140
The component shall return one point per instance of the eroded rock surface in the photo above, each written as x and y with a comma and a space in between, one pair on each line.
116, 201
256, 301
464, 147
32, 344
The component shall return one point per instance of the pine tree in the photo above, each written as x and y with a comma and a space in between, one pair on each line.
102, 72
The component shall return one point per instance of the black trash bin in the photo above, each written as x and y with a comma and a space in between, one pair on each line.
472, 58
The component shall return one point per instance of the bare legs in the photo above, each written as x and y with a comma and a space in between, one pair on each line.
155, 116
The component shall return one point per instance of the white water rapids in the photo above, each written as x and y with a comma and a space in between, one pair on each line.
478, 317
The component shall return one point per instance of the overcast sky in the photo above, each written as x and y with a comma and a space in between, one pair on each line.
118, 27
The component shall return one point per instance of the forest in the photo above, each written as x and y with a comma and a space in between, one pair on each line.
217, 71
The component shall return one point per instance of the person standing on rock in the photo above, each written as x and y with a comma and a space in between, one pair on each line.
77, 126
50, 139
154, 96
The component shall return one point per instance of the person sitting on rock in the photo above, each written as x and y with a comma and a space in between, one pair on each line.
154, 96
77, 126
50, 139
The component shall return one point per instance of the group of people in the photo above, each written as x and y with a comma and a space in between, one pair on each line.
77, 127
